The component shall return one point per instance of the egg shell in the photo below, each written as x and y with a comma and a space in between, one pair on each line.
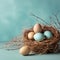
24, 50
48, 34
39, 37
37, 28
30, 35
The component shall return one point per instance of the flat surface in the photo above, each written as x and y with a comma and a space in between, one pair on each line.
14, 55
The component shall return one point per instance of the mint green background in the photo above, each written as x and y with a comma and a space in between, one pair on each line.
15, 16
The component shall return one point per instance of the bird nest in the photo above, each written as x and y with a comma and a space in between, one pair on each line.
46, 45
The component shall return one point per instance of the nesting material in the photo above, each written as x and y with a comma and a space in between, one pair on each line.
46, 45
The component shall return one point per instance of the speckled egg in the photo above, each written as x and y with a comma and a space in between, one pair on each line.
37, 28
48, 34
39, 36
30, 35
24, 50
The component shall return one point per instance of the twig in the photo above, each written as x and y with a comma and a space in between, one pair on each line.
53, 23
57, 20
39, 18
15, 43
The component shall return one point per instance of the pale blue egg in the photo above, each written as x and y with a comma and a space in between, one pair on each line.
48, 34
38, 36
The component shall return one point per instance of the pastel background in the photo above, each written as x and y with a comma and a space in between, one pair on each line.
15, 15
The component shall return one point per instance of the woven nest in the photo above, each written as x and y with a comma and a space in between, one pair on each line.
46, 45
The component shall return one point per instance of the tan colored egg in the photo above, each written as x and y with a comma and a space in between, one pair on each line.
37, 28
30, 35
24, 50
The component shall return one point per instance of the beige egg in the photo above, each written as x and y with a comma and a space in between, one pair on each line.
30, 35
24, 50
37, 28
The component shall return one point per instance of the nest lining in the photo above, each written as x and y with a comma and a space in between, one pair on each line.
46, 45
